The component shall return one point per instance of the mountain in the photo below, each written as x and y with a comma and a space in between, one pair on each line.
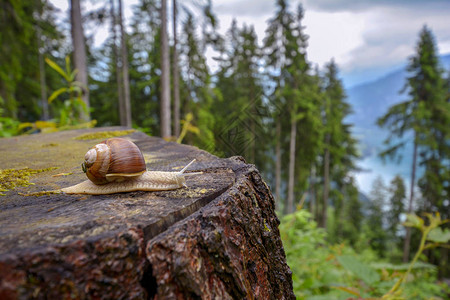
370, 101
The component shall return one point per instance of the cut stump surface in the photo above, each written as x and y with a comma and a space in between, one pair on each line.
216, 239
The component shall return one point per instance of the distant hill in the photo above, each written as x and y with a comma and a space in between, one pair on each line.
370, 101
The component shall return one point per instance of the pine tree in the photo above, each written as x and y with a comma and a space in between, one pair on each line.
397, 191
240, 86
116, 60
145, 62
352, 215
28, 32
339, 147
377, 234
200, 94
275, 48
294, 95
425, 114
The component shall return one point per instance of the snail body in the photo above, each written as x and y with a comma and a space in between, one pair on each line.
117, 165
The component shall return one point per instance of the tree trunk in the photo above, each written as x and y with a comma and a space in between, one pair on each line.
79, 53
312, 193
278, 165
176, 84
252, 150
117, 63
125, 76
216, 238
165, 78
45, 115
406, 245
290, 198
326, 187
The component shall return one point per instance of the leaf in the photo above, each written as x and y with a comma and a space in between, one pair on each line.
56, 93
68, 68
359, 269
57, 68
193, 129
439, 236
75, 89
413, 220
82, 104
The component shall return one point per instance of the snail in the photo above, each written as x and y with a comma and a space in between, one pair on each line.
117, 165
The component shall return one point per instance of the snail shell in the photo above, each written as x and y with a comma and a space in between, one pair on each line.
115, 159
117, 166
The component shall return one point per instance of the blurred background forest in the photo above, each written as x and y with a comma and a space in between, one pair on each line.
266, 101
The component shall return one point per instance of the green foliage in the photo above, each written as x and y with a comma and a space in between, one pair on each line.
8, 127
336, 271
432, 233
200, 95
187, 127
397, 197
72, 107
26, 28
376, 232
339, 153
359, 268
239, 82
426, 114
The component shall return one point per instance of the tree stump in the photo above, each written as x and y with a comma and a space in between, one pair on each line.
216, 239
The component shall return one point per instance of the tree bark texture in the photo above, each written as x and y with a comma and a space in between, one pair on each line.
278, 163
216, 239
165, 75
407, 242
176, 83
326, 187
290, 199
125, 73
312, 192
44, 102
79, 52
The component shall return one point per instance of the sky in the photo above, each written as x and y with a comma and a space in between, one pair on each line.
366, 38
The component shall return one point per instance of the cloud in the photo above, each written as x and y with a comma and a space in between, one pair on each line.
332, 36
364, 5
393, 36
365, 37
238, 8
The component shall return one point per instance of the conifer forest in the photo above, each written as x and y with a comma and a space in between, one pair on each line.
263, 100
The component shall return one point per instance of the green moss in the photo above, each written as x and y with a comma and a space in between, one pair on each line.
43, 193
12, 178
103, 134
